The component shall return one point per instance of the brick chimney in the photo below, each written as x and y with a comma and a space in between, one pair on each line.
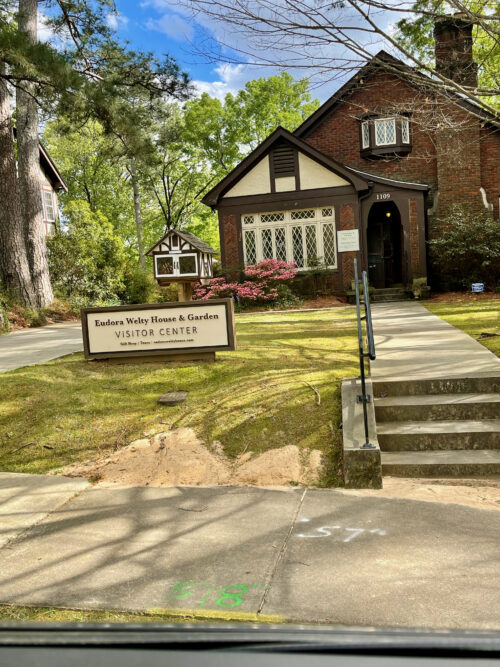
453, 49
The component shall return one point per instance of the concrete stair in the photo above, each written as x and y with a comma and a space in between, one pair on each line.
439, 427
389, 294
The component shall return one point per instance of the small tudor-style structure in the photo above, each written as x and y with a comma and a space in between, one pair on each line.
375, 157
180, 257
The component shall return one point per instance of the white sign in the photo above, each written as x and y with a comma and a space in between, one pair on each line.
158, 328
348, 240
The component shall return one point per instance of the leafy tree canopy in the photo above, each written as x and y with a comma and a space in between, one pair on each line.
415, 33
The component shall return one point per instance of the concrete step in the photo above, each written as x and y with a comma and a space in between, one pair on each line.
414, 386
446, 463
434, 435
430, 407
385, 295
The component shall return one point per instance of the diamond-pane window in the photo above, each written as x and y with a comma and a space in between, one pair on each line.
272, 217
248, 219
303, 215
280, 243
250, 249
385, 131
365, 134
311, 245
329, 245
267, 243
297, 247
326, 212
405, 131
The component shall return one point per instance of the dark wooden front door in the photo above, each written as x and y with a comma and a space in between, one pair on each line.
384, 252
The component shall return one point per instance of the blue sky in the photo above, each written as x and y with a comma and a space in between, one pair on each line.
155, 25
162, 26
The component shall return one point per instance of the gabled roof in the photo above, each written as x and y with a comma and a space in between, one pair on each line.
48, 166
51, 170
186, 236
384, 61
212, 198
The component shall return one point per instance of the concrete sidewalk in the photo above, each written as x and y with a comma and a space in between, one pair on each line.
316, 555
35, 346
411, 342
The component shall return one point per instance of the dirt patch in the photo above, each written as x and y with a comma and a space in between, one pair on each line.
19, 318
481, 493
309, 304
180, 458
463, 296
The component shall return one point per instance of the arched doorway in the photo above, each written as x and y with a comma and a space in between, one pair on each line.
385, 245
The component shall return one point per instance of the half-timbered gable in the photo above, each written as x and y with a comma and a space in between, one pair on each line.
181, 256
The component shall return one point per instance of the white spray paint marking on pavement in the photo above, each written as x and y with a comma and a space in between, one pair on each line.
327, 531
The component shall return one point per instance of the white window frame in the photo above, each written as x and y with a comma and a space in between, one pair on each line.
365, 134
385, 120
46, 218
405, 123
175, 260
287, 224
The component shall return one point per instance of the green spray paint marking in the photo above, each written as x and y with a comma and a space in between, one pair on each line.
227, 597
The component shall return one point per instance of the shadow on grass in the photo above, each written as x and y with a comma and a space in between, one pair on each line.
253, 399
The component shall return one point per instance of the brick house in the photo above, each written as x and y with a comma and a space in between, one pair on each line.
386, 155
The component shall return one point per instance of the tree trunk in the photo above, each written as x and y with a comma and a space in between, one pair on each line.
137, 211
14, 267
30, 185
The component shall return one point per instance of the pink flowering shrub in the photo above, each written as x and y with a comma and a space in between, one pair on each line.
272, 271
267, 284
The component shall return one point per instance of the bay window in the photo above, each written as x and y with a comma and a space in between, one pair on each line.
385, 131
385, 136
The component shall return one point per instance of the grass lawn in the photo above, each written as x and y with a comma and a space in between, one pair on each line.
472, 316
13, 613
250, 400
19, 614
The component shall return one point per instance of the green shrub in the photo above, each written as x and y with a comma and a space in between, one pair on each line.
139, 286
4, 320
468, 249
87, 259
420, 288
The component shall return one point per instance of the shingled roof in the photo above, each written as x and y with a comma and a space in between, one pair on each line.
190, 238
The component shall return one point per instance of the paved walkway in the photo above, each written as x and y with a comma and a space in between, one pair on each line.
35, 346
317, 555
412, 342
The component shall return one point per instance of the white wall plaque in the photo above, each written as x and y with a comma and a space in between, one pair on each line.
158, 329
348, 240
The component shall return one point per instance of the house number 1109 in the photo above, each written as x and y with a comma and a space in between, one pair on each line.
383, 195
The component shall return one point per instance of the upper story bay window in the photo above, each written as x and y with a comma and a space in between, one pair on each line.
385, 136
385, 131
306, 237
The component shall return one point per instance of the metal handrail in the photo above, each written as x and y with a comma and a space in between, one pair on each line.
364, 398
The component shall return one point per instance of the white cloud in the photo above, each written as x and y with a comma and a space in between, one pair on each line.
172, 25
116, 20
44, 31
231, 79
